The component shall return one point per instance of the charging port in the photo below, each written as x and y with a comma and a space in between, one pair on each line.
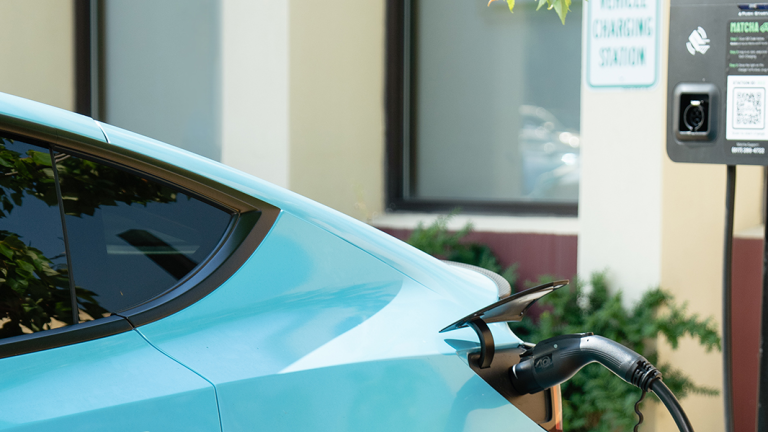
694, 115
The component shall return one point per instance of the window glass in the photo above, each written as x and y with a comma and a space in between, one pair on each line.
495, 102
34, 284
130, 238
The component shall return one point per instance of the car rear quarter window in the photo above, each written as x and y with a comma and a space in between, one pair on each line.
131, 238
34, 279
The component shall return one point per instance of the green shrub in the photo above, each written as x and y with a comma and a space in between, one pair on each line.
594, 399
437, 241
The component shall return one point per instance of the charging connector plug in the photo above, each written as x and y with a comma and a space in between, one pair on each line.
556, 360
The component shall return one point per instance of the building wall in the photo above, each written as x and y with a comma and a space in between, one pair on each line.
254, 87
336, 106
692, 260
37, 48
745, 313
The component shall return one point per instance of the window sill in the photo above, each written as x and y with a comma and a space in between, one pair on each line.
756, 233
484, 223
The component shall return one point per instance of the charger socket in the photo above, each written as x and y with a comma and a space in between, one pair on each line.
694, 112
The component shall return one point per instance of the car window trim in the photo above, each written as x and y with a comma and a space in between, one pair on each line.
67, 253
251, 221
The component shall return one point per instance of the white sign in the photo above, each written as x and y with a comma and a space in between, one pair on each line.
622, 44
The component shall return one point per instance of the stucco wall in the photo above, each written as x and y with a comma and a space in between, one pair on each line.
336, 104
254, 74
692, 255
36, 45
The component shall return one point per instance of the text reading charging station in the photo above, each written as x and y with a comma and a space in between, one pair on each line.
717, 113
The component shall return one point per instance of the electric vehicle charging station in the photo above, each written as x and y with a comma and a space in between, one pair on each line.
716, 114
718, 82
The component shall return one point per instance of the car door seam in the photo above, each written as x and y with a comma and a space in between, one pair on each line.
215, 391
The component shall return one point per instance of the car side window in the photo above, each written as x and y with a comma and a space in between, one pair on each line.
130, 238
34, 279
120, 241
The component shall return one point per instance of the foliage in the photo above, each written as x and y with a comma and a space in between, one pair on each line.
34, 291
561, 7
437, 241
594, 399
85, 185
29, 174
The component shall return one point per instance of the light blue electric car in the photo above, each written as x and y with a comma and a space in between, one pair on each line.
145, 288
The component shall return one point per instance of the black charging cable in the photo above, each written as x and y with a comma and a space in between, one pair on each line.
556, 360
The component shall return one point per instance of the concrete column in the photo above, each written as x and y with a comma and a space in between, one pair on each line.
337, 104
255, 90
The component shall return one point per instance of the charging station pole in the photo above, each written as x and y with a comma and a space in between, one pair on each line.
762, 397
717, 114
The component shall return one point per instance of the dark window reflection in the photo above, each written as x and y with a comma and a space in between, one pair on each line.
130, 238
34, 284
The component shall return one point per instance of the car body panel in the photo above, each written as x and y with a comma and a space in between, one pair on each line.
301, 288
330, 325
117, 383
313, 308
434, 393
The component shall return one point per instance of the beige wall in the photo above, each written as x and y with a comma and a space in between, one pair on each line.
692, 256
36, 45
336, 107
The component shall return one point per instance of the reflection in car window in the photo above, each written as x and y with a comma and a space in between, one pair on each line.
131, 239
34, 284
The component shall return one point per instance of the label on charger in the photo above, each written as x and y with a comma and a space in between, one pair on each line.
746, 118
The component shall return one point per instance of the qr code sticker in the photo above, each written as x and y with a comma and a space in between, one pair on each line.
749, 108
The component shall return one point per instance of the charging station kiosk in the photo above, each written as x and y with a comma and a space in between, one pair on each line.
716, 114
718, 83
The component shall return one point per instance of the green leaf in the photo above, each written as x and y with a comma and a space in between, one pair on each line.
24, 274
541, 3
5, 250
562, 8
26, 266
511, 4
41, 158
